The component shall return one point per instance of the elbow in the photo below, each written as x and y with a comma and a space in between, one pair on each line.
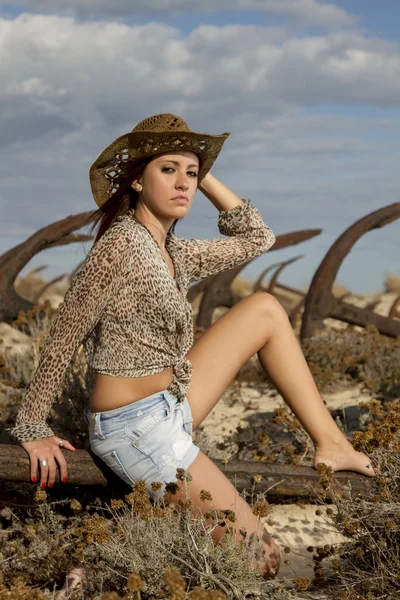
269, 239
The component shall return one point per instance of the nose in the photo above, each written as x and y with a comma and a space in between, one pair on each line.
182, 182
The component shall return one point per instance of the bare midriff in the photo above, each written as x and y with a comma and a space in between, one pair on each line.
113, 392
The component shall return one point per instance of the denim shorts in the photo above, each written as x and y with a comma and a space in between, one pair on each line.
145, 440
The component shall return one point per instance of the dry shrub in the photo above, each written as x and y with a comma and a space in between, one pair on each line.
338, 289
242, 286
392, 283
29, 285
66, 414
16, 370
279, 439
368, 565
341, 358
131, 544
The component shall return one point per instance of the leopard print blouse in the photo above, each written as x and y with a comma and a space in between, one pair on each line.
130, 313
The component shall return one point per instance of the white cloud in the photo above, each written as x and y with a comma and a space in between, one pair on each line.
61, 76
312, 12
69, 88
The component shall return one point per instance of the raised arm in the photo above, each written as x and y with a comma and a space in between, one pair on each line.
90, 291
249, 237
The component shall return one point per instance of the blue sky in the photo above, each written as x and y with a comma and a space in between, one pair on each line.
309, 90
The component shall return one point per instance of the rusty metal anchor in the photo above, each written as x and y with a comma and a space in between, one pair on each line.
13, 261
321, 303
274, 283
217, 289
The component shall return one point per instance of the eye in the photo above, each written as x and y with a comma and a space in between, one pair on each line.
165, 169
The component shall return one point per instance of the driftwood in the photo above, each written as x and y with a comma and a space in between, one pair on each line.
321, 303
278, 480
13, 261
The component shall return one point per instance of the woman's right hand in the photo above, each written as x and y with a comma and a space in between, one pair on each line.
47, 449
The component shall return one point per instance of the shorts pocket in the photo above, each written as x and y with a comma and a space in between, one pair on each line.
139, 429
187, 417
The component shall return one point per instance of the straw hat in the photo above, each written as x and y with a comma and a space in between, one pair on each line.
109, 174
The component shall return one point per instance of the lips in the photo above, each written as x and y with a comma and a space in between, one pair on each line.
181, 198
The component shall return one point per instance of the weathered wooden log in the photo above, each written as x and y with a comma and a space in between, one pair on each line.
278, 480
285, 480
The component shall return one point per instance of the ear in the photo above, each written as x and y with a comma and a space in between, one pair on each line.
136, 186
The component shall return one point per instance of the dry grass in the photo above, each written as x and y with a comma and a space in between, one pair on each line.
392, 283
66, 415
242, 286
29, 285
341, 358
368, 565
136, 548
129, 544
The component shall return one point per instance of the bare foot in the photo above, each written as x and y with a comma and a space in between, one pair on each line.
341, 456
72, 581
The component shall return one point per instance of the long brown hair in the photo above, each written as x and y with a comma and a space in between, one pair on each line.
118, 204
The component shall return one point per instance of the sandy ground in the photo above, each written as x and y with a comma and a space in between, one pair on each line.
226, 416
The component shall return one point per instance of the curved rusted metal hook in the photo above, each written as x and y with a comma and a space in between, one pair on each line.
274, 278
258, 284
217, 289
13, 261
297, 309
285, 240
321, 303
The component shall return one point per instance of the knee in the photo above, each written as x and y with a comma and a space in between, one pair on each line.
269, 306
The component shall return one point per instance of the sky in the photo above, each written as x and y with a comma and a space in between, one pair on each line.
308, 89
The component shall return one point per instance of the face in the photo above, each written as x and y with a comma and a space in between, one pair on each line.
166, 177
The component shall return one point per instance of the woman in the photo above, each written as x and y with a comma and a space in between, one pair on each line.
128, 305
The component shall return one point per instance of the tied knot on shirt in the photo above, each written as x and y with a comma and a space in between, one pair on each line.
182, 368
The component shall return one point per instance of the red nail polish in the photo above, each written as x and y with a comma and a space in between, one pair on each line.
51, 484
43, 486
64, 480
34, 479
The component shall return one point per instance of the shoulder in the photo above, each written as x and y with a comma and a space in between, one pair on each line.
122, 232
115, 247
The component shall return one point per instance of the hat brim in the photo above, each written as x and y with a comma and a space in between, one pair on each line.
111, 168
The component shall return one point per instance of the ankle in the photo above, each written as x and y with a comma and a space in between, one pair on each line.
330, 442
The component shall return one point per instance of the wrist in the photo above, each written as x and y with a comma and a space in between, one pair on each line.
205, 181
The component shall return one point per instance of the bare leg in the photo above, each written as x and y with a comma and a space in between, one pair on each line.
72, 581
259, 324
282, 358
207, 476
